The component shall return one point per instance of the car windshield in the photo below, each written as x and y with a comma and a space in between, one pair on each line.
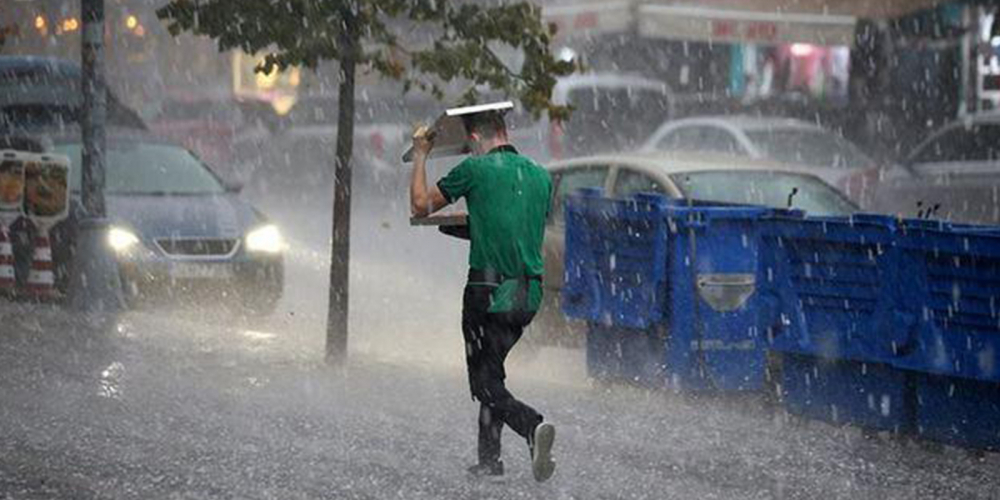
147, 168
768, 188
39, 88
807, 147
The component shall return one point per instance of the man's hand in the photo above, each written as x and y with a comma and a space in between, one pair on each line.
423, 141
423, 201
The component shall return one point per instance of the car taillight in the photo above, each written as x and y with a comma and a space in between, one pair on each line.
860, 185
377, 144
555, 140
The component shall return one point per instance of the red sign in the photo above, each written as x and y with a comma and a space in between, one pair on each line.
723, 28
585, 20
750, 30
761, 31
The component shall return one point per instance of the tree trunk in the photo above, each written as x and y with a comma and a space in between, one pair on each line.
340, 247
94, 108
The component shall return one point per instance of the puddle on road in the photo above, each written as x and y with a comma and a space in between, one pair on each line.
110, 383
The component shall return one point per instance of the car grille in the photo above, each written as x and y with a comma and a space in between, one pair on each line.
197, 246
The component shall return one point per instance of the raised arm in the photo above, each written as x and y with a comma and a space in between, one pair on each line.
423, 201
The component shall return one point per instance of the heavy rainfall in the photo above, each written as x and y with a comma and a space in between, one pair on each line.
767, 247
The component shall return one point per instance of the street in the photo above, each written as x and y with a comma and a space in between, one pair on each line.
175, 403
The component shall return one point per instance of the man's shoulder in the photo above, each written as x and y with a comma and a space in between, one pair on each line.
536, 167
529, 161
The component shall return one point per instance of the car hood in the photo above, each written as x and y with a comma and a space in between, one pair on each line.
188, 216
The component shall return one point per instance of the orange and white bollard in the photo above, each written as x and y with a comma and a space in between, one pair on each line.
7, 277
41, 282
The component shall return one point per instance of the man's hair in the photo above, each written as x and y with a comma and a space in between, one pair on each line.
487, 125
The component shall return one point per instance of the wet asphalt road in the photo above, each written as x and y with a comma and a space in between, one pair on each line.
181, 403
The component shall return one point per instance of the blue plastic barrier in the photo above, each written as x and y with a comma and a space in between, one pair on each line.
958, 411
876, 321
649, 264
955, 296
838, 391
917, 298
615, 259
835, 282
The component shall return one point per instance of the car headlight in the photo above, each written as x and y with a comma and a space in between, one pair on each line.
122, 240
265, 239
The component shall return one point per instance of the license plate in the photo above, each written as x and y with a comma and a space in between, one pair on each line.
200, 271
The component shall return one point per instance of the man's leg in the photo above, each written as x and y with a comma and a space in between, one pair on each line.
490, 428
503, 332
500, 335
474, 306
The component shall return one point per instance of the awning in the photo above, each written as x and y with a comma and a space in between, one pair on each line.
821, 22
589, 18
743, 26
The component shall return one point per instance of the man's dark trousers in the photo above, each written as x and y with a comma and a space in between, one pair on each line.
489, 337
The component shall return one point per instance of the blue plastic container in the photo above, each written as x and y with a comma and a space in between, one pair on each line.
615, 259
955, 295
679, 281
958, 411
835, 282
869, 395
715, 342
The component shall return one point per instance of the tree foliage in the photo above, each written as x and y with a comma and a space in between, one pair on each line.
377, 34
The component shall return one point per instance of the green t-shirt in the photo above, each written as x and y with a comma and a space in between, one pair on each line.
508, 197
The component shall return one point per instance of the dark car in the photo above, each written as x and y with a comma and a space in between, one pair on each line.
41, 92
953, 175
178, 229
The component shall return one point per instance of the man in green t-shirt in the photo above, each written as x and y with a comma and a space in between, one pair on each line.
508, 198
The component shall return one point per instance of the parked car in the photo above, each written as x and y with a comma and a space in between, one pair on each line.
178, 229
302, 155
42, 92
784, 140
954, 175
228, 133
681, 175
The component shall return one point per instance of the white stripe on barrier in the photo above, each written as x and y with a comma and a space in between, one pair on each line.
41, 277
7, 272
43, 253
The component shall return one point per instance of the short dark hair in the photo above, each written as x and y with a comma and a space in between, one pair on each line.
488, 125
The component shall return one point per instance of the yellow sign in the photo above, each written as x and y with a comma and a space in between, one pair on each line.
11, 182
46, 187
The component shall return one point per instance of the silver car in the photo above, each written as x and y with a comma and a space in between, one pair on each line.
783, 140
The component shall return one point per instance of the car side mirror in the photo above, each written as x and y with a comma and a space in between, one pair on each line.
232, 186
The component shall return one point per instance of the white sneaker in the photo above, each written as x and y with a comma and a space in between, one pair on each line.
542, 464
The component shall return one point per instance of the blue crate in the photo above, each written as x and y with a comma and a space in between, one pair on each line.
652, 264
958, 411
955, 300
869, 395
919, 295
834, 283
614, 259
715, 342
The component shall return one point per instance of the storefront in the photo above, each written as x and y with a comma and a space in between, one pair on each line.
748, 48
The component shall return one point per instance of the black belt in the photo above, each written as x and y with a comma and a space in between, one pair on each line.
491, 277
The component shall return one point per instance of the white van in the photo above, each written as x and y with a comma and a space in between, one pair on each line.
612, 112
